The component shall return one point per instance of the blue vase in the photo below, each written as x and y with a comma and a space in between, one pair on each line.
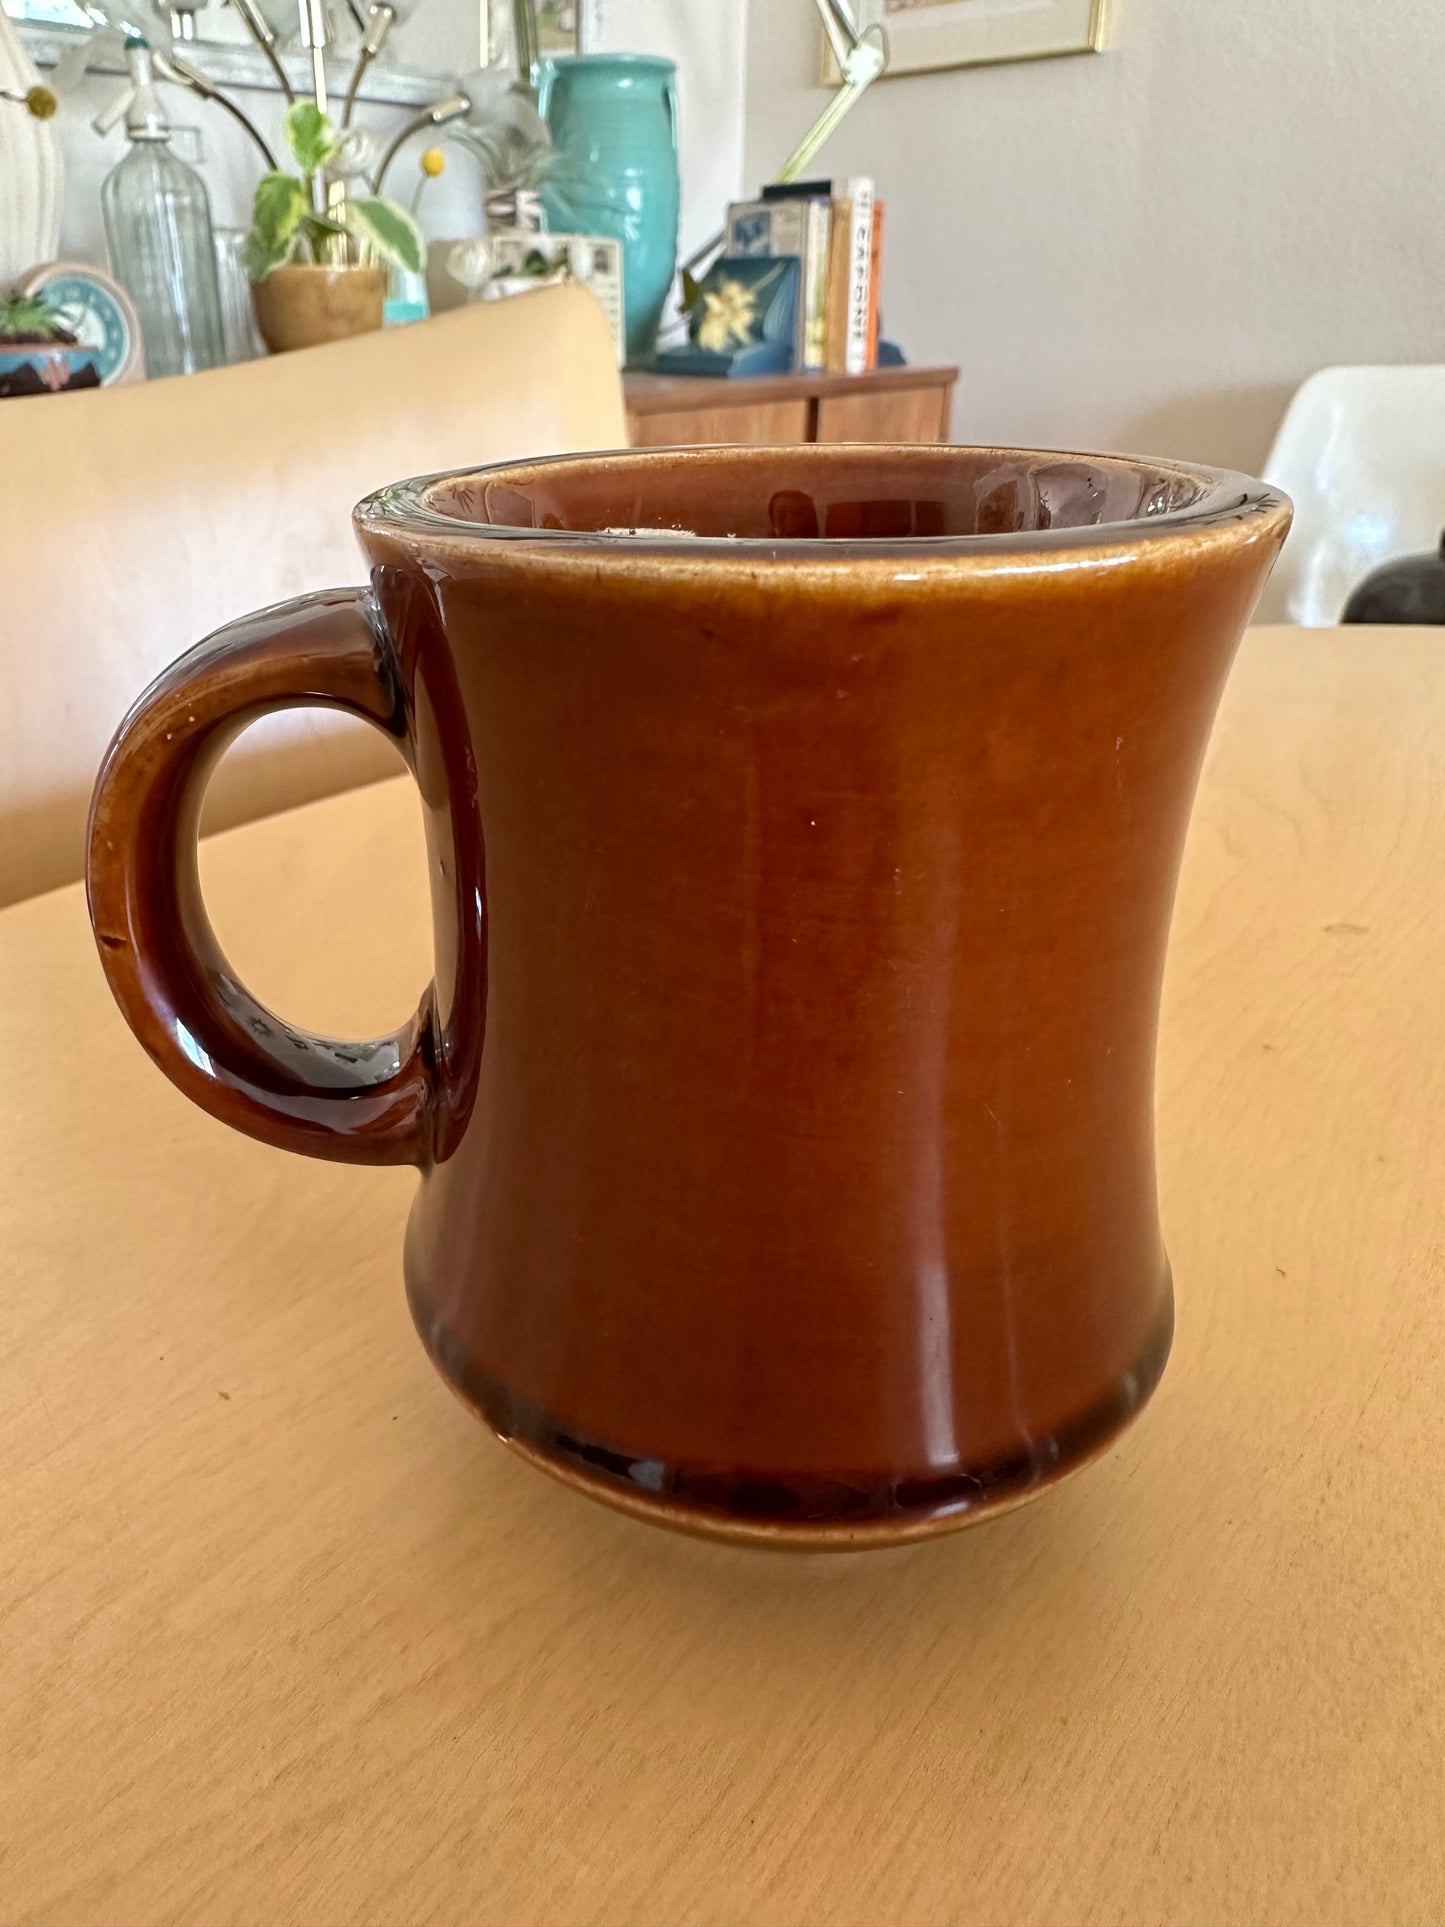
614, 125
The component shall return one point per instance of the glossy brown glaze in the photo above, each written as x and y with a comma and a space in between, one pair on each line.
801, 885
371, 1103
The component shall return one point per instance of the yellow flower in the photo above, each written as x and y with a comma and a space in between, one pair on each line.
730, 313
41, 102
432, 162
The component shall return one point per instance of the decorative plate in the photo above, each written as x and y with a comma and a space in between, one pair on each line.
98, 312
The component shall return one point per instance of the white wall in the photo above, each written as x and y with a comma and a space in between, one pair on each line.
708, 40
705, 37
1149, 248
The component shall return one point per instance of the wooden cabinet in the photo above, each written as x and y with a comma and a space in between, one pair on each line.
888, 405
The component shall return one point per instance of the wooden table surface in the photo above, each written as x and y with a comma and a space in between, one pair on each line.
285, 1638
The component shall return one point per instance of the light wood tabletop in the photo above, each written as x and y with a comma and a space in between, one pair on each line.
284, 1637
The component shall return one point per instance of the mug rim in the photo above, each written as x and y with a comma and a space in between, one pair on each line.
1225, 499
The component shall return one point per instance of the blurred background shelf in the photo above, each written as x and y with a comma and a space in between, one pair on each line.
885, 405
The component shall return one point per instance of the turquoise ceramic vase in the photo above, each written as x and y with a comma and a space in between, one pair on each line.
614, 124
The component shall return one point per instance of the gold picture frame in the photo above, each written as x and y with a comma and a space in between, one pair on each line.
931, 36
563, 27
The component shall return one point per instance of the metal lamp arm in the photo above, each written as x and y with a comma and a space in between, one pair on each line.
437, 115
862, 55
255, 24
182, 74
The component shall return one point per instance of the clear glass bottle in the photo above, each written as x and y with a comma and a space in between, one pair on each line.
158, 230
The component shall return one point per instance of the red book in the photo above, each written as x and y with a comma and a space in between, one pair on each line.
875, 264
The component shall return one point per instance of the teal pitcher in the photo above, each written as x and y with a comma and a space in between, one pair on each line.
614, 125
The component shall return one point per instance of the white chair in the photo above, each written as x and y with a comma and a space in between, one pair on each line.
135, 520
1362, 453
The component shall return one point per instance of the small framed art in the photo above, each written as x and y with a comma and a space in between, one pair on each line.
563, 27
928, 34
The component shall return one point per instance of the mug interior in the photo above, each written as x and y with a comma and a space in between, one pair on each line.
815, 493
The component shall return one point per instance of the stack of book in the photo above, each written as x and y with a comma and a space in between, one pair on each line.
835, 229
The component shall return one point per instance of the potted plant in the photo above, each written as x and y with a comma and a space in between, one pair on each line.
317, 255
38, 356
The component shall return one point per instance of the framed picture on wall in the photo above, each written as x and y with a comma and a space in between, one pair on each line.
563, 27
928, 34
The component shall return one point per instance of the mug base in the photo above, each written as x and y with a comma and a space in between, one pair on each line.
828, 1513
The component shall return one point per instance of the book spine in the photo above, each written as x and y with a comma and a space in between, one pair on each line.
875, 282
815, 285
835, 358
860, 255
790, 236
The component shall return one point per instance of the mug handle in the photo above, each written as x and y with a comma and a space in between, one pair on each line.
367, 1103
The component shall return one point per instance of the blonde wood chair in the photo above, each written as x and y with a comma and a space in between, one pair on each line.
135, 520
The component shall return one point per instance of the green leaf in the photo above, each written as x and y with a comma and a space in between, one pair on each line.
276, 212
389, 230
312, 135
25, 314
322, 235
260, 259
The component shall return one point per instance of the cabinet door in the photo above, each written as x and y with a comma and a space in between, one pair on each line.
886, 415
741, 424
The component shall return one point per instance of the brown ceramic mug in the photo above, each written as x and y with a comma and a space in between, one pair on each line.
804, 826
